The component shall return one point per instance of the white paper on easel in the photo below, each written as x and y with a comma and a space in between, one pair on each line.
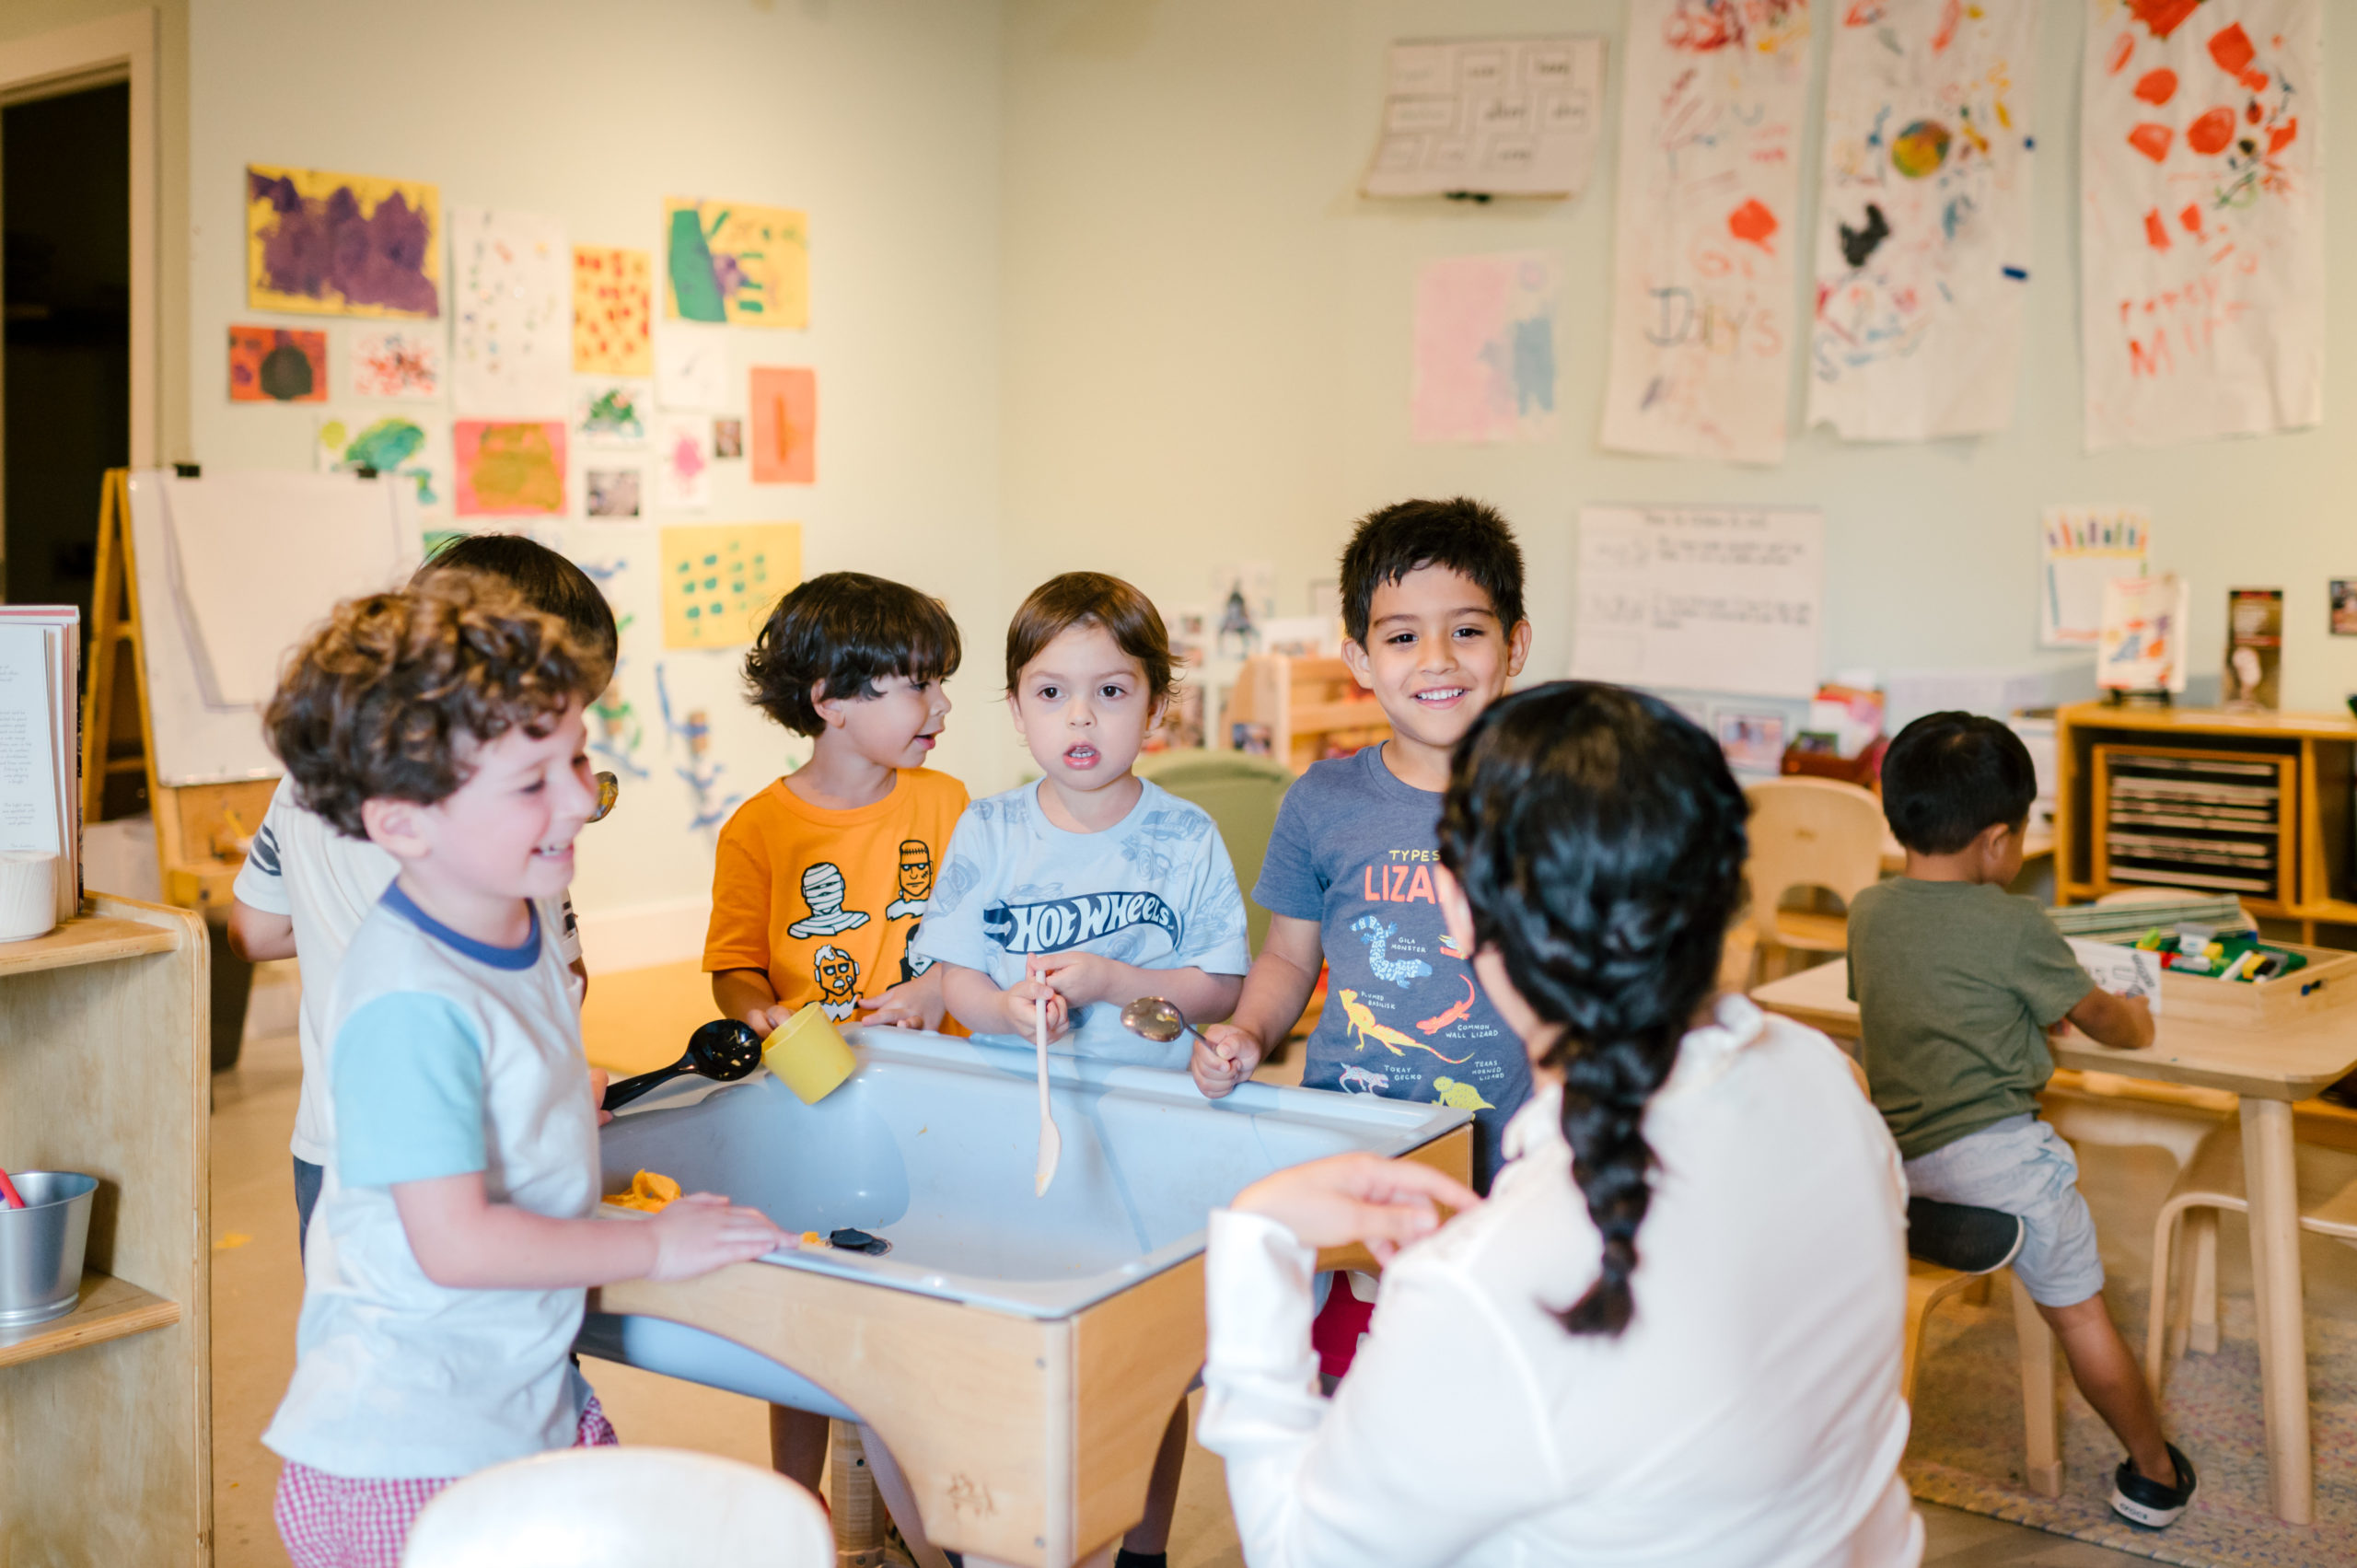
1701, 598
2123, 971
28, 761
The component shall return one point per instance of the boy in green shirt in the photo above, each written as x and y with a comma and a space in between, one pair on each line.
1957, 983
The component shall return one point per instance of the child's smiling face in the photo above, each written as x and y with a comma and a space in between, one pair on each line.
1435, 655
1082, 708
507, 832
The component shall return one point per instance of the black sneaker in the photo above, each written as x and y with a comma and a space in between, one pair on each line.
2148, 1503
1958, 1236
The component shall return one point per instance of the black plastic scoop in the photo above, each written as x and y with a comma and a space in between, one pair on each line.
723, 1050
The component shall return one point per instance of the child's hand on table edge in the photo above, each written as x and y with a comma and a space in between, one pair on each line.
895, 1008
1358, 1197
599, 1079
703, 1231
1018, 998
1224, 1055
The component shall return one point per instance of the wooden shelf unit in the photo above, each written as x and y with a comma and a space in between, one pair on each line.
2315, 756
1308, 707
105, 1068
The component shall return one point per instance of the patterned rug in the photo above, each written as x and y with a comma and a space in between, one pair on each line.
1967, 1451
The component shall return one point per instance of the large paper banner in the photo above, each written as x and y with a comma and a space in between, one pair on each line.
1703, 286
2202, 238
1923, 240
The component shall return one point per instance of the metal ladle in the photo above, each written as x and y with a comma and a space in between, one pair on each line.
1151, 1017
723, 1050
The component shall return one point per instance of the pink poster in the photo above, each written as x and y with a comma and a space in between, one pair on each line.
509, 469
1486, 349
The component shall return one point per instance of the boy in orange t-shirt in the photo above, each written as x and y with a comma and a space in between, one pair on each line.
820, 879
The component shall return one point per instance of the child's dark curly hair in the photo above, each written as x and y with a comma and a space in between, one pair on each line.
1599, 840
388, 698
842, 631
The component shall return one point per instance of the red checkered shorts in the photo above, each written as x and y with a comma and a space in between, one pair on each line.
332, 1521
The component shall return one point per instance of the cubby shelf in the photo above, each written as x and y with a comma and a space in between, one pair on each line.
110, 1309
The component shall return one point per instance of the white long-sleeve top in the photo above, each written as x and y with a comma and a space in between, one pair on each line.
1749, 1414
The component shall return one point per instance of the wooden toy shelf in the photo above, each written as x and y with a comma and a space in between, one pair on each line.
2280, 784
1308, 706
106, 1412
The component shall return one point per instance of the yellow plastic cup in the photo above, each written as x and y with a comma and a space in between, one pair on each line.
808, 1055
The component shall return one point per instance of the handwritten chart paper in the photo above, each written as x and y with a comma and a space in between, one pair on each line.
1505, 117
2201, 237
1486, 349
720, 579
511, 286
1701, 598
1702, 289
1924, 228
2081, 549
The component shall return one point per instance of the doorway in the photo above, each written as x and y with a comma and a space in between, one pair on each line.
65, 376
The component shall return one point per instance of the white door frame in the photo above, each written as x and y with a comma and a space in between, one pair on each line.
112, 49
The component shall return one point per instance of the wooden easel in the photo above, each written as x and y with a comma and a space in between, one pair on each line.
202, 830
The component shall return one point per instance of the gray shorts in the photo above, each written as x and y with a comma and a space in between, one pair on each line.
2022, 1167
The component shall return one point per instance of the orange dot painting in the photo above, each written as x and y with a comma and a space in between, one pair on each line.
1753, 223
2151, 140
275, 365
2156, 87
784, 409
613, 304
508, 469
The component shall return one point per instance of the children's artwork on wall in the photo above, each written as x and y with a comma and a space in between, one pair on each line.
691, 367
1923, 226
509, 469
686, 736
611, 414
612, 493
615, 732
2081, 548
682, 463
342, 244
2254, 674
274, 365
727, 438
511, 339
613, 306
726, 261
720, 579
2201, 236
412, 450
785, 405
396, 362
1702, 331
1486, 349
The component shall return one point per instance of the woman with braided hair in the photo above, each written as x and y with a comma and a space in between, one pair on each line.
1671, 1334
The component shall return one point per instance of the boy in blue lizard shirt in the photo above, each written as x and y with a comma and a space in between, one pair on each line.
1432, 604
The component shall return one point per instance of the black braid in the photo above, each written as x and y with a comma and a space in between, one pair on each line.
1599, 839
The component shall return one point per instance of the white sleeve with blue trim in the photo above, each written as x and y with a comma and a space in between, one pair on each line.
407, 1077
261, 882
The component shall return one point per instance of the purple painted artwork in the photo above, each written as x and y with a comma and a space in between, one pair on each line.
342, 244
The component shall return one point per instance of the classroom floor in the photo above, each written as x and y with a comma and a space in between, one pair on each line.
634, 1021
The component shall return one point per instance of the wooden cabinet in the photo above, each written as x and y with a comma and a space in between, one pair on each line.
2256, 805
106, 1414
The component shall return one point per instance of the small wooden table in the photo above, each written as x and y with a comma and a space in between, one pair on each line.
2267, 1073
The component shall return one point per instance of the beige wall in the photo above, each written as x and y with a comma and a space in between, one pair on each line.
1208, 351
24, 19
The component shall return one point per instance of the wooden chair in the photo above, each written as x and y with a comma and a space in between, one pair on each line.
622, 1508
1241, 794
1928, 1285
2211, 1182
1808, 833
